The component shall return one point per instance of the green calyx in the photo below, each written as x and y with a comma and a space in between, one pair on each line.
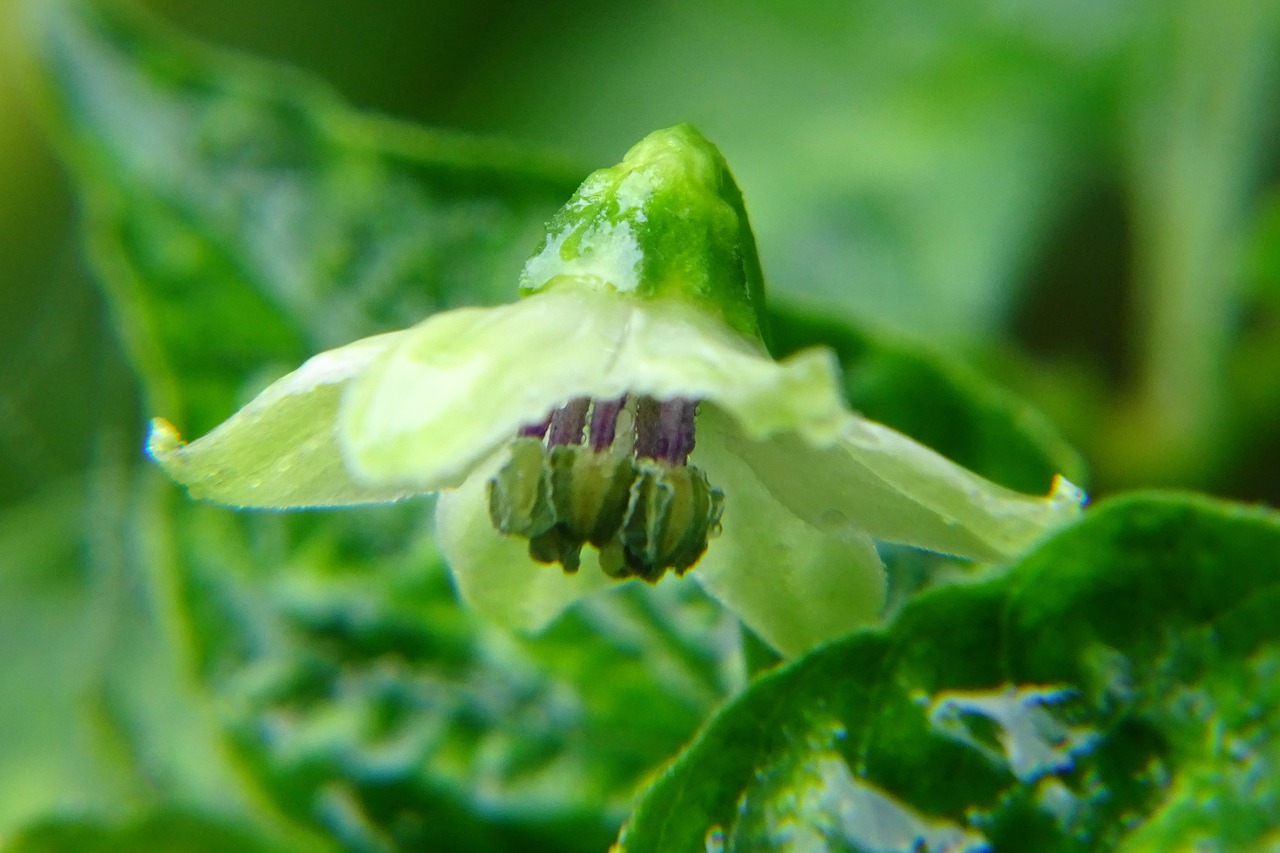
666, 222
643, 517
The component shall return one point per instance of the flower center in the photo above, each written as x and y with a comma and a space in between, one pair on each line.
612, 474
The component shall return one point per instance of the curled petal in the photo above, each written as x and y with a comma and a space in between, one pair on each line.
461, 383
494, 573
791, 583
879, 481
281, 450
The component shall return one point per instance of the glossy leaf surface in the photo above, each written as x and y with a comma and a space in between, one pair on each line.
1115, 689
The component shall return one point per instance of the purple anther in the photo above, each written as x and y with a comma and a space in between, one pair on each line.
567, 422
604, 422
537, 430
664, 431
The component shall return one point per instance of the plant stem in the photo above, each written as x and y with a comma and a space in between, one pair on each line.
1193, 157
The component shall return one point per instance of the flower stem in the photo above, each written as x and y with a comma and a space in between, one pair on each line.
1193, 160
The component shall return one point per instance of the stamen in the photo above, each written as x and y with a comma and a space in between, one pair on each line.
677, 421
567, 422
665, 430
604, 422
648, 430
645, 514
538, 430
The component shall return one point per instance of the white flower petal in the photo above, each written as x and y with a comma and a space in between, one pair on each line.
281, 450
792, 584
463, 382
494, 573
880, 481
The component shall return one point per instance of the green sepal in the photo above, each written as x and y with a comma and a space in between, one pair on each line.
666, 222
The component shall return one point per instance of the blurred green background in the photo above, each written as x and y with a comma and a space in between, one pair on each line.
1078, 200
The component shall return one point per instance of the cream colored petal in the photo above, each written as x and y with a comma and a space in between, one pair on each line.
792, 584
280, 451
672, 350
458, 386
876, 480
463, 382
493, 573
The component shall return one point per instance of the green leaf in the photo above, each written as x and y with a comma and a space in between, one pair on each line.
243, 217
1116, 689
99, 718
162, 831
373, 706
52, 747
937, 402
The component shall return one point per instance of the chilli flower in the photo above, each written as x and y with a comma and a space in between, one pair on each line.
623, 419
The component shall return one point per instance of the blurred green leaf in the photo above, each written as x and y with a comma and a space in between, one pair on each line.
371, 703
99, 719
1262, 252
163, 831
243, 217
52, 626
1117, 689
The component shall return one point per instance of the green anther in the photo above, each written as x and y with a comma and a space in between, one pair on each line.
646, 522
613, 559
557, 545
520, 493
674, 512
694, 519
590, 492
643, 518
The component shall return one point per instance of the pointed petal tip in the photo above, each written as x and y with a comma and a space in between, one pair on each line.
164, 443
1067, 495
